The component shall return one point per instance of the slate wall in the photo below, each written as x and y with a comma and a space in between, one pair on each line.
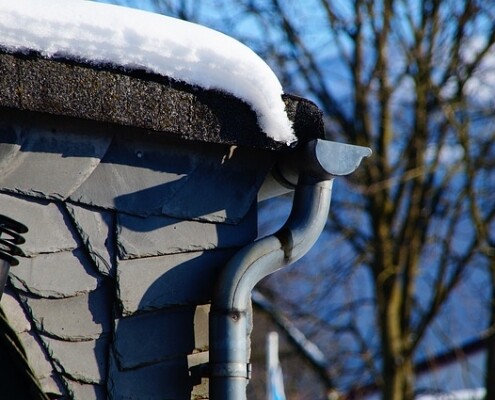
128, 231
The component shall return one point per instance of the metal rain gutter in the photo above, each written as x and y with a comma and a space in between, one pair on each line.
230, 316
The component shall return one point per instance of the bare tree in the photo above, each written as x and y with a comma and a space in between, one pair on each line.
411, 79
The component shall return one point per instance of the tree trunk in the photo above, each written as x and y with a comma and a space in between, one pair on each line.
398, 370
398, 380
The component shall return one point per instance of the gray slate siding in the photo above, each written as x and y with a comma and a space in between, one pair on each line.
38, 355
127, 236
67, 302
138, 237
97, 231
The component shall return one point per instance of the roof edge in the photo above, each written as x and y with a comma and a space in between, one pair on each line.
136, 98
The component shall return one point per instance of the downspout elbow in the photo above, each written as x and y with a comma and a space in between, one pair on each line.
317, 164
267, 255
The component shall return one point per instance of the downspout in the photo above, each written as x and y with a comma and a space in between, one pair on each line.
317, 163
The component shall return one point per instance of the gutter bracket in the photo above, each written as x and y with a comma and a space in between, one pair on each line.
239, 370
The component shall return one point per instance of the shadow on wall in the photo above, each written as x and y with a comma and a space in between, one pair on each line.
169, 289
181, 209
169, 254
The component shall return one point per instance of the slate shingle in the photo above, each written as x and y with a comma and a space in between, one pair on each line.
196, 362
49, 230
82, 317
16, 315
132, 175
85, 391
97, 229
168, 333
145, 176
58, 275
201, 322
179, 279
80, 361
51, 160
152, 236
166, 380
220, 190
41, 365
36, 353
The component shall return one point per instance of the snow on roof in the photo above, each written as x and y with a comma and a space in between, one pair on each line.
102, 33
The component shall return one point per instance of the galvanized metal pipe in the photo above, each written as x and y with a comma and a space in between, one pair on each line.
229, 316
230, 313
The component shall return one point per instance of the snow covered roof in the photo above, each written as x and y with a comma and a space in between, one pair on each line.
98, 34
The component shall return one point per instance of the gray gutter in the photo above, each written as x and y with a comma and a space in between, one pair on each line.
230, 317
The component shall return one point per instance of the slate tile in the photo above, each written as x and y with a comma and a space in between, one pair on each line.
49, 230
153, 177
161, 332
196, 362
97, 231
83, 317
53, 387
86, 391
10, 143
166, 380
81, 361
53, 162
14, 312
201, 324
57, 275
42, 368
36, 355
132, 175
152, 236
227, 188
157, 282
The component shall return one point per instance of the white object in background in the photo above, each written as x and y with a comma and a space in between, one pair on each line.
274, 379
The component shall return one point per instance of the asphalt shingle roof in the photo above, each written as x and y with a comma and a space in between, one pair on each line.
141, 100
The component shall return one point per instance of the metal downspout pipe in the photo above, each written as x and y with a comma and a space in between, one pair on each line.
230, 318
